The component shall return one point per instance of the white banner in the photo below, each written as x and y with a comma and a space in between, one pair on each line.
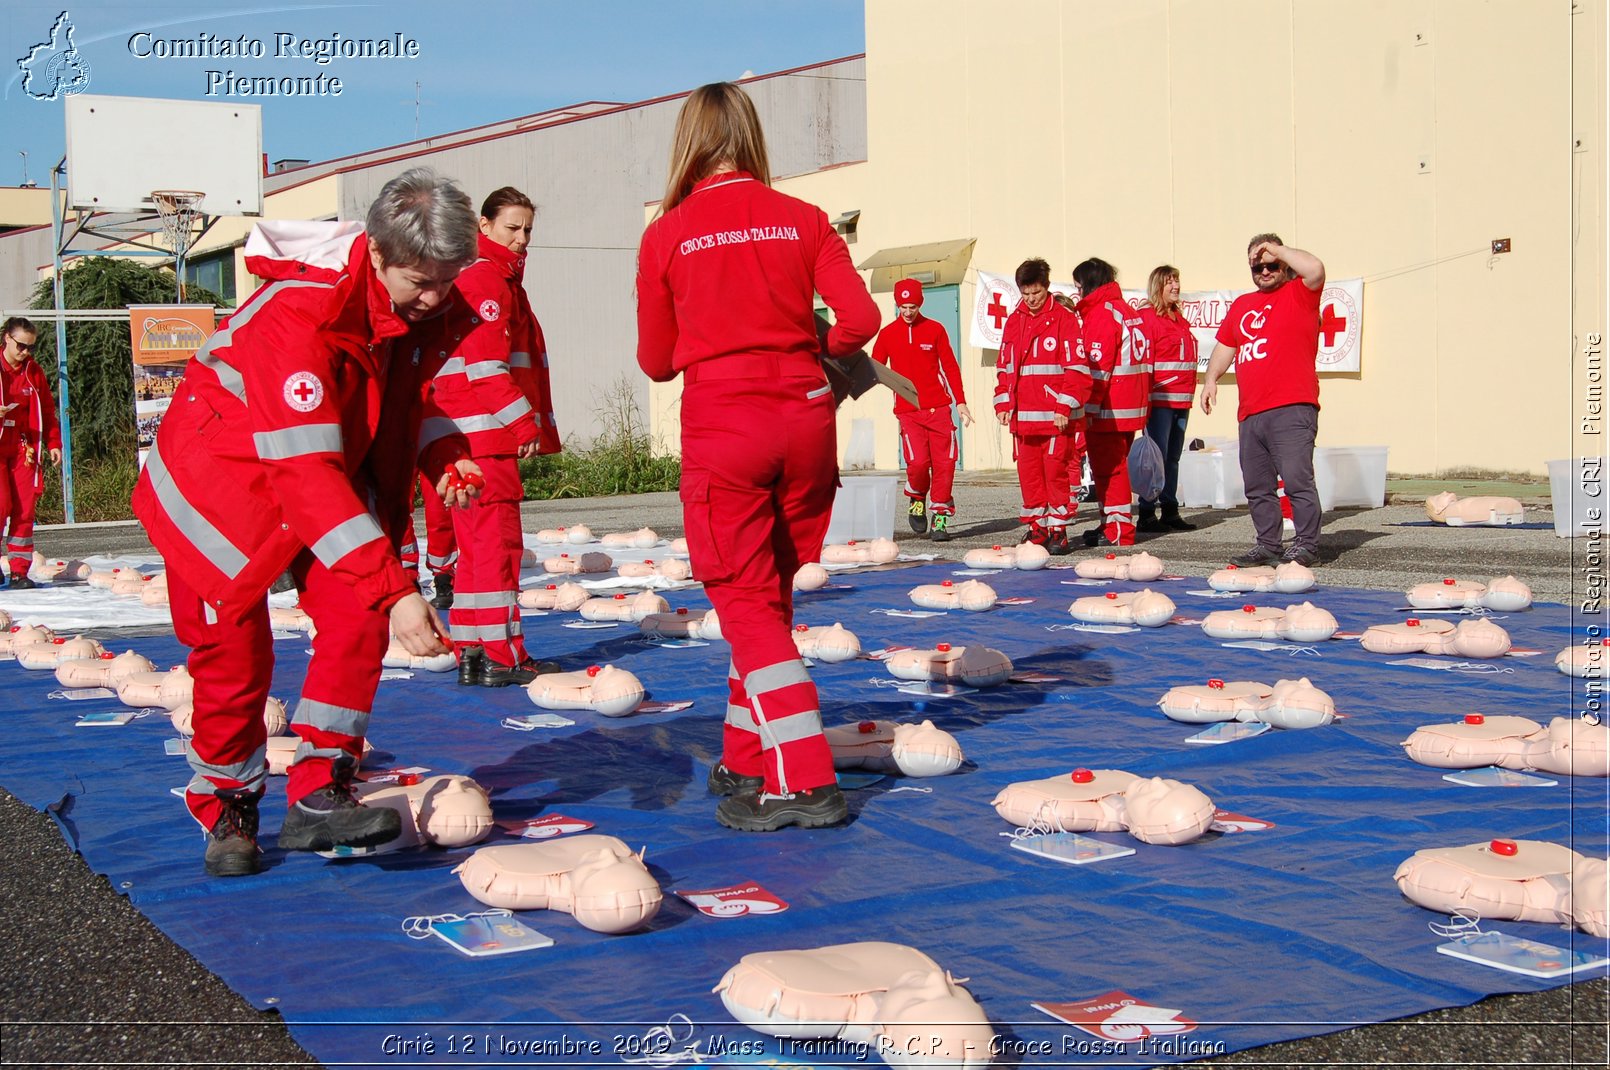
994, 299
1341, 322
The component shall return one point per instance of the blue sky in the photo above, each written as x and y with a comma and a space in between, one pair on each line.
478, 61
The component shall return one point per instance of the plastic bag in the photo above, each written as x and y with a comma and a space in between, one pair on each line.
1145, 469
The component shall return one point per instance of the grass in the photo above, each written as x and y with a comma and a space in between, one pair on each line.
621, 460
101, 490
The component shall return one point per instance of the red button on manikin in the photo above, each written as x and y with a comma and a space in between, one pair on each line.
867, 727
802, 627
1112, 557
620, 598
553, 586
1450, 581
1112, 594
1413, 622
1082, 776
1216, 684
1504, 847
1249, 609
1229, 566
594, 670
681, 611
946, 583
943, 648
995, 547
1475, 718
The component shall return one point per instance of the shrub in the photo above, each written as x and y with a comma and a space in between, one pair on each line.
621, 460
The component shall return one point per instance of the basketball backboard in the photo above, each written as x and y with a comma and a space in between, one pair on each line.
119, 149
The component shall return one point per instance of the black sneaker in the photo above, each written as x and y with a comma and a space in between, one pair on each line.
469, 665
723, 781
1258, 555
493, 674
760, 812
1095, 537
444, 592
333, 817
1303, 556
1174, 522
19, 582
917, 516
1150, 525
941, 528
232, 844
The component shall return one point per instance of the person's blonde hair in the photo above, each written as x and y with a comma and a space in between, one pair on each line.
1154, 287
717, 125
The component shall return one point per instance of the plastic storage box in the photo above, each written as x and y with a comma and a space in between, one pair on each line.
863, 509
1350, 476
1578, 492
1211, 478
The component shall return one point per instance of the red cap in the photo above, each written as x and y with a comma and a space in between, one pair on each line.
1602, 642
943, 648
867, 727
108, 656
946, 583
850, 543
682, 610
1230, 566
1475, 718
1081, 776
1504, 847
997, 546
648, 560
908, 292
1216, 684
594, 670
405, 779
553, 586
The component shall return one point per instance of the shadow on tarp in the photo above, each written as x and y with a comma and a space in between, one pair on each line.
1260, 936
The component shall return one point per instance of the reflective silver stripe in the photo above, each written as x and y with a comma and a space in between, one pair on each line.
408, 548
209, 614
251, 773
327, 717
469, 424
1032, 414
26, 544
792, 728
1116, 510
451, 366
485, 633
1002, 399
1038, 510
227, 375
1173, 366
740, 718
485, 369
1065, 399
1119, 414
206, 538
519, 360
438, 562
300, 441
773, 677
1167, 395
512, 411
818, 392
306, 750
346, 537
1080, 369
434, 428
492, 600
1041, 369
1131, 369
1100, 374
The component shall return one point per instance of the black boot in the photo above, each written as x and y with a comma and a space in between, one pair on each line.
470, 659
333, 817
232, 843
1173, 521
444, 592
1148, 521
494, 674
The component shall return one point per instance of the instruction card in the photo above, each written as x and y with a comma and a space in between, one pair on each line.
495, 935
1070, 847
1504, 952
1493, 777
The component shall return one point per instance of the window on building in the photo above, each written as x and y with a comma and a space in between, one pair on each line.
215, 271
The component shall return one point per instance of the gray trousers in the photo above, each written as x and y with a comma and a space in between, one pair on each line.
1278, 444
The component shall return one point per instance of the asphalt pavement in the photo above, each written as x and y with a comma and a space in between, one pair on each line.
86, 980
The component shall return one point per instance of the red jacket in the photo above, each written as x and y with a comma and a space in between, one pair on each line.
33, 421
1120, 361
297, 426
495, 385
735, 242
1173, 359
921, 352
1041, 372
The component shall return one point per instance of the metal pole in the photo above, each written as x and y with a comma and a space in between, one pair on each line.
61, 345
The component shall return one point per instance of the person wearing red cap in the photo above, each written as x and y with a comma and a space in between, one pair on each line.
919, 349
726, 278
28, 432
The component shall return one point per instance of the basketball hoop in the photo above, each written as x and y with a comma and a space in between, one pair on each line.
178, 209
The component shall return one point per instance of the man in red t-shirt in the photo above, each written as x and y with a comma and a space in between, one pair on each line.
1272, 336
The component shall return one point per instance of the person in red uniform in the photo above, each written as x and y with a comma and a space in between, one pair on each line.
1042, 382
292, 443
28, 432
1272, 336
1120, 365
725, 277
1173, 389
495, 389
919, 349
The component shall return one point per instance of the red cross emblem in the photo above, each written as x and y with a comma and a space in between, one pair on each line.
995, 310
303, 391
1330, 325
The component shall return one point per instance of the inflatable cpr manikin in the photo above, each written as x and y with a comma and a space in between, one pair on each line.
567, 597
1288, 704
1567, 746
169, 690
20, 638
1288, 578
106, 580
876, 552
448, 811
49, 655
59, 571
1306, 623
972, 596
681, 624
641, 539
398, 657
624, 607
155, 591
603, 689
576, 535
595, 878
1107, 800
1448, 508
1141, 567
289, 619
671, 569
810, 577
566, 565
828, 645
1578, 659
1027, 556
275, 717
915, 750
889, 996
1509, 880
131, 588
1506, 595
5, 621
1470, 639
975, 666
1146, 608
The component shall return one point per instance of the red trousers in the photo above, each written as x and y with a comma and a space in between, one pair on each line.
232, 663
486, 584
18, 500
1078, 446
928, 446
1042, 476
441, 548
758, 479
1109, 467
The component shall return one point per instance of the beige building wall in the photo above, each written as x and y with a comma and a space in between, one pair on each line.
1396, 139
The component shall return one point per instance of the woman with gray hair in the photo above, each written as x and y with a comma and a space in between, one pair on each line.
292, 444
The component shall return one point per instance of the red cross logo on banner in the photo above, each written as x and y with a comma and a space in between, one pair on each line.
995, 310
1330, 325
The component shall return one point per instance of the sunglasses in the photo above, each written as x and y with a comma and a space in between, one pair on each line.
24, 347
1268, 267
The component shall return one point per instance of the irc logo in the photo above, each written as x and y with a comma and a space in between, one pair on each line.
53, 68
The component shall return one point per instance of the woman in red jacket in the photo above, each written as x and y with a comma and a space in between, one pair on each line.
28, 432
725, 277
1173, 388
1120, 364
